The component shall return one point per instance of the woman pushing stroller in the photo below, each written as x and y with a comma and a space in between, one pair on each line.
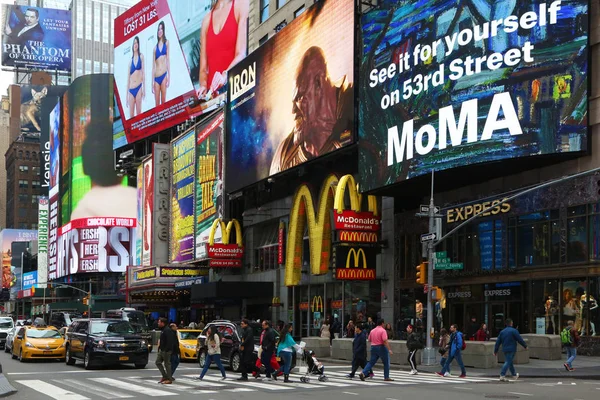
285, 350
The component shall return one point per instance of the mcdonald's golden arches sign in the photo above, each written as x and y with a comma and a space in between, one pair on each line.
355, 263
225, 254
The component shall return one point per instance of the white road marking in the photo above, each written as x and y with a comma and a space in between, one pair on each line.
462, 388
251, 384
148, 391
520, 394
53, 391
48, 372
352, 393
93, 389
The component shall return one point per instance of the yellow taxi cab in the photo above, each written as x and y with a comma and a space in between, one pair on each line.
187, 343
33, 342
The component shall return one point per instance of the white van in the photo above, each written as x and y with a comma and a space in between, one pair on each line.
6, 324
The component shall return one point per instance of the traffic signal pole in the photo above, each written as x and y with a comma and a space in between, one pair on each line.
429, 351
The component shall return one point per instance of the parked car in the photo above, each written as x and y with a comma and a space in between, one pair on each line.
231, 334
9, 339
102, 341
6, 325
188, 339
38, 342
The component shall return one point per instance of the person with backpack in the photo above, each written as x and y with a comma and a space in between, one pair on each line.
456, 346
414, 344
570, 340
508, 338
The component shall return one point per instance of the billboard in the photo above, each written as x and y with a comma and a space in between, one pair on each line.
36, 38
147, 208
30, 279
7, 238
50, 122
183, 153
209, 180
161, 202
32, 97
43, 220
444, 86
173, 60
292, 99
98, 244
140, 214
91, 186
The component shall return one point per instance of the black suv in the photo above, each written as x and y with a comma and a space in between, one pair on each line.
231, 334
102, 341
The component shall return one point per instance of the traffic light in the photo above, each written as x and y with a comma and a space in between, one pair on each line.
436, 293
86, 300
422, 273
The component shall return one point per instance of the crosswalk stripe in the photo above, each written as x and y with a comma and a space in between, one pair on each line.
115, 383
314, 381
93, 389
341, 378
175, 386
252, 384
197, 383
51, 390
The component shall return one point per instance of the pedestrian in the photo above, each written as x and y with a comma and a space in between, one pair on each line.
285, 350
389, 331
201, 325
570, 340
359, 351
380, 348
247, 349
325, 331
165, 349
176, 351
370, 325
414, 344
268, 348
444, 346
508, 338
482, 334
213, 344
457, 344
472, 329
335, 328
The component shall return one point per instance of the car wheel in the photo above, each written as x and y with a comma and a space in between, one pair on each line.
236, 365
87, 360
21, 359
6, 349
68, 359
202, 358
13, 355
140, 366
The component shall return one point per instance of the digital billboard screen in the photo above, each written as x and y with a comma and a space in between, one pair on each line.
32, 97
7, 238
36, 38
171, 61
209, 179
183, 153
147, 209
292, 99
444, 85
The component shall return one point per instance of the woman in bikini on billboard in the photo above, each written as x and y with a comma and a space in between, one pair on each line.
135, 82
224, 41
161, 68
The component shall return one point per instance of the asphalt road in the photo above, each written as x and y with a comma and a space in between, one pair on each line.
43, 380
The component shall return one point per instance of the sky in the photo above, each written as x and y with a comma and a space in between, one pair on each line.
6, 78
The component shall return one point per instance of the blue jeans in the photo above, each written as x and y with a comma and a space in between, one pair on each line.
286, 358
216, 358
443, 362
571, 354
378, 352
174, 363
508, 364
458, 356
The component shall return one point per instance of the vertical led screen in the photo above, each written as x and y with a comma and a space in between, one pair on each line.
140, 214
292, 99
183, 152
32, 97
446, 84
147, 210
172, 59
36, 38
209, 179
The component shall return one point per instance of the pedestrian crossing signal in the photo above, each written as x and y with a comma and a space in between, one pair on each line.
86, 300
422, 273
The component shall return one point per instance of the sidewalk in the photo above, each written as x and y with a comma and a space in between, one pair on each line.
585, 368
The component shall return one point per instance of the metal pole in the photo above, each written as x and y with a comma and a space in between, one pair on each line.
90, 300
429, 352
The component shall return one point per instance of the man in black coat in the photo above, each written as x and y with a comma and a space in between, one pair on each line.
165, 350
27, 30
359, 350
268, 348
247, 348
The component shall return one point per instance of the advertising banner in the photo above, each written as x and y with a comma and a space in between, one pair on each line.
355, 263
173, 61
50, 122
101, 244
161, 203
144, 274
30, 279
209, 180
36, 38
53, 225
91, 186
183, 153
43, 226
444, 85
147, 209
292, 99
9, 260
140, 214
32, 97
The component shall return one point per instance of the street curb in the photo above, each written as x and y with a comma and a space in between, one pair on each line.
6, 389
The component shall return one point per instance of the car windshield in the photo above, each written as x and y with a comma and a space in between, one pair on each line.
189, 335
43, 334
112, 328
6, 323
137, 318
70, 317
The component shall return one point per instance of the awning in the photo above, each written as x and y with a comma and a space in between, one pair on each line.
232, 290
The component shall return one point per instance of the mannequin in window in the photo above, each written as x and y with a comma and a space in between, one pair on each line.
551, 314
588, 301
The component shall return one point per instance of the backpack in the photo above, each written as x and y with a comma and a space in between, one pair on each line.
566, 338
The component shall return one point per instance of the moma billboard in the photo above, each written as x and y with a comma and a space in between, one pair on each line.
444, 84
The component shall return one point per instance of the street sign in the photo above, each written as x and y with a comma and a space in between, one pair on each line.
425, 209
448, 265
440, 254
428, 237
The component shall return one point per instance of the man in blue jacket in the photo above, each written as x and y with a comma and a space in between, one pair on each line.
508, 338
359, 350
456, 344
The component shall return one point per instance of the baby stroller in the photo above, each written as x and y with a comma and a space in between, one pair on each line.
311, 366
